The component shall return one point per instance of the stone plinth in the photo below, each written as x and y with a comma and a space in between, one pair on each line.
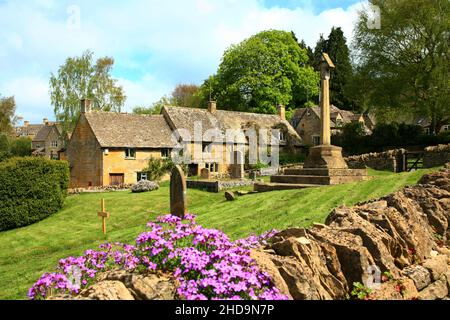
325, 156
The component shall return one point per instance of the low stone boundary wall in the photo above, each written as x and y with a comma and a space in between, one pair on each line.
391, 160
436, 155
217, 185
121, 187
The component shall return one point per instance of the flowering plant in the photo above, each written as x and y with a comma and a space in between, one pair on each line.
206, 263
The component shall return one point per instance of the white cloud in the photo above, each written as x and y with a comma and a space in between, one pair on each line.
156, 44
31, 96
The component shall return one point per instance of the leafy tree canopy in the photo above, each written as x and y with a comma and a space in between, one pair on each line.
7, 114
406, 61
267, 69
78, 78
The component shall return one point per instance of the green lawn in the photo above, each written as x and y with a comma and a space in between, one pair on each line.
28, 252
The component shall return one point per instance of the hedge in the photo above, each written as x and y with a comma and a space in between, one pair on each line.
31, 189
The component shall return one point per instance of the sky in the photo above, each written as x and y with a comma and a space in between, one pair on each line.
156, 44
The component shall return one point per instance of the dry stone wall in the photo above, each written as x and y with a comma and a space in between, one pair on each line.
404, 235
436, 155
389, 160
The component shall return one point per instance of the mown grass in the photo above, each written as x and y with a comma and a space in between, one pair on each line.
28, 252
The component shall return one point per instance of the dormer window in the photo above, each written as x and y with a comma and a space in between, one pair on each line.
130, 153
281, 136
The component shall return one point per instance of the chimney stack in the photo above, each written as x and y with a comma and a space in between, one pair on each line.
282, 112
85, 105
45, 121
212, 107
26, 123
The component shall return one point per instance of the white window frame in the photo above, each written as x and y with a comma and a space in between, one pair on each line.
55, 144
144, 176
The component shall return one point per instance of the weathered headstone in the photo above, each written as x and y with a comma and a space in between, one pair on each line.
205, 174
237, 167
178, 195
230, 196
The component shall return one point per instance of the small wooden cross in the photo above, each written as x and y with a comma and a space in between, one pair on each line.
104, 215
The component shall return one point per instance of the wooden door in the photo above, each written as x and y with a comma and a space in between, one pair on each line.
116, 179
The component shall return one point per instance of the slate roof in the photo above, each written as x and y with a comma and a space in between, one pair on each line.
125, 130
187, 118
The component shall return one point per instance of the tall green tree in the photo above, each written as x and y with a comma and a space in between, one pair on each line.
81, 77
337, 49
407, 59
185, 95
155, 108
264, 70
7, 115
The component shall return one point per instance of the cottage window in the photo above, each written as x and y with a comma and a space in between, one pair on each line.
281, 136
206, 147
130, 153
212, 167
165, 153
54, 144
142, 176
316, 140
446, 127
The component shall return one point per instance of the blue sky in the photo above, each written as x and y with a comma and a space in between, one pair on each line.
155, 44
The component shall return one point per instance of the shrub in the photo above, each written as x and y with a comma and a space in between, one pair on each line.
31, 189
291, 158
205, 263
144, 186
157, 168
21, 147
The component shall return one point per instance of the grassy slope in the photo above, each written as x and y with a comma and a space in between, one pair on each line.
28, 252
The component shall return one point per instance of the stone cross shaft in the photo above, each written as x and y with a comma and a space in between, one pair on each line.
325, 66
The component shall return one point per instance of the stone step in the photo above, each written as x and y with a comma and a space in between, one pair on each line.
264, 187
325, 172
296, 179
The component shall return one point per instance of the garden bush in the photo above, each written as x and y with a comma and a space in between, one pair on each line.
144, 186
157, 168
31, 189
205, 263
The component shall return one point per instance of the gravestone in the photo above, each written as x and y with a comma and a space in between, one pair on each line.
237, 167
230, 196
178, 196
205, 174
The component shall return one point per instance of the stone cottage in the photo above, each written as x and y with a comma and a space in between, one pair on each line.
48, 142
113, 148
224, 122
109, 148
28, 130
306, 122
